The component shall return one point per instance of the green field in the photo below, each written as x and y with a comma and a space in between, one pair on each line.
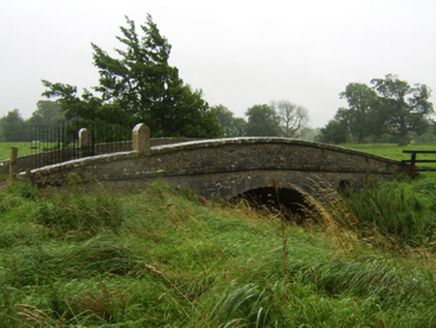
393, 150
396, 152
5, 149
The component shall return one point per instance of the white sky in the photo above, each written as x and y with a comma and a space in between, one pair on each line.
240, 53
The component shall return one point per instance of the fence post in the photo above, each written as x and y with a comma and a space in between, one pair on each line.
141, 139
84, 143
413, 165
13, 164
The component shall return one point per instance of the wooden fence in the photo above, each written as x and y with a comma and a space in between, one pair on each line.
414, 170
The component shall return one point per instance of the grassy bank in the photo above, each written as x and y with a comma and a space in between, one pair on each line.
162, 258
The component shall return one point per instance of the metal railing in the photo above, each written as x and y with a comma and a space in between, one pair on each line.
53, 144
60, 143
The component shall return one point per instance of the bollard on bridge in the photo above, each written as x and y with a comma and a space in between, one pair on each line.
141, 139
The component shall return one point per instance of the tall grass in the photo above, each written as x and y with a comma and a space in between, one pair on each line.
398, 212
76, 257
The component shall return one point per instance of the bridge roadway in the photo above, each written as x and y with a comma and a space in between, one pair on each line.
228, 167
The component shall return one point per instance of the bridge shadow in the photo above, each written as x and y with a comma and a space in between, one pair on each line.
287, 202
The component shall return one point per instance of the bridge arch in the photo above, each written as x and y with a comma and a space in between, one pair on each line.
290, 202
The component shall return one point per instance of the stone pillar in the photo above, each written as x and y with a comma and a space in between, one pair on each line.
141, 139
13, 164
84, 143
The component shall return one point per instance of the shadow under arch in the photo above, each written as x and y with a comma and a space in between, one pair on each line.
289, 202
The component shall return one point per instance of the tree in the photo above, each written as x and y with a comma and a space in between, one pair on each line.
140, 86
310, 134
293, 118
231, 126
337, 130
407, 107
48, 113
262, 121
14, 127
362, 114
240, 126
389, 108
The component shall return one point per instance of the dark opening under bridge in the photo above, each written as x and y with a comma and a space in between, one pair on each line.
226, 167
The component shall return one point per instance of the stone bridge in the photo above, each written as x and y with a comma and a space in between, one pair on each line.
226, 167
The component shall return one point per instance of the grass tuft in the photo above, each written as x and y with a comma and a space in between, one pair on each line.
77, 215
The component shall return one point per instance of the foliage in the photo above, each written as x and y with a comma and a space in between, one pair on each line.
48, 113
231, 126
336, 131
310, 134
429, 136
281, 118
362, 115
262, 121
390, 107
293, 118
139, 86
176, 261
14, 127
406, 107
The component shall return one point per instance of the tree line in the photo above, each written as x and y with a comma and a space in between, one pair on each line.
139, 86
390, 110
280, 118
14, 128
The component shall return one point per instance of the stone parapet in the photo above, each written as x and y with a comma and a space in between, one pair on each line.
29, 162
227, 167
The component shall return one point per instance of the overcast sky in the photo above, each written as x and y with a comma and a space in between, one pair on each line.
240, 53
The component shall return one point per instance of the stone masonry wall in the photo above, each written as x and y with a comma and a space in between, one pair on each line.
228, 167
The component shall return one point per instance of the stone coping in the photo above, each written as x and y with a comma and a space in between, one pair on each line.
86, 161
209, 143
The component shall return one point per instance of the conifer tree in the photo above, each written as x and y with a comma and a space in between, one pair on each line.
139, 85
